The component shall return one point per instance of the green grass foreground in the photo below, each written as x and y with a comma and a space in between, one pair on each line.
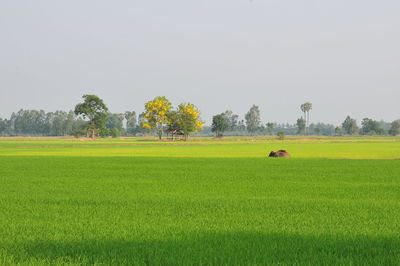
132, 202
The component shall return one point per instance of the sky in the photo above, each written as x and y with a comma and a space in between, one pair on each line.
342, 55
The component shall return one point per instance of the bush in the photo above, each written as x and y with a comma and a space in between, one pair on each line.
115, 133
281, 135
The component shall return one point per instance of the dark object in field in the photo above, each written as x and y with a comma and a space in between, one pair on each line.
280, 153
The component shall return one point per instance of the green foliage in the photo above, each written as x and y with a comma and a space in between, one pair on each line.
3, 125
185, 119
281, 135
115, 132
301, 126
253, 119
322, 129
270, 127
189, 118
96, 111
371, 127
220, 124
350, 126
40, 123
104, 132
60, 123
131, 122
306, 108
395, 128
173, 125
115, 123
232, 120
227, 121
338, 131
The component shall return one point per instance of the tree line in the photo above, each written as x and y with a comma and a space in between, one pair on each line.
228, 122
91, 118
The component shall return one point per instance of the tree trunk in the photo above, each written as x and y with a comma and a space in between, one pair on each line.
93, 129
159, 133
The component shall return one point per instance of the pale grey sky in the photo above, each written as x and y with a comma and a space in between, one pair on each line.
342, 55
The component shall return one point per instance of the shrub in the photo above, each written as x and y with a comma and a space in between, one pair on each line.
281, 135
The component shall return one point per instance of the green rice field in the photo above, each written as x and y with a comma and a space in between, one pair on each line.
138, 201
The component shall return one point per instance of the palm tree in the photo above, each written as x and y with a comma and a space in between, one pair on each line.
306, 108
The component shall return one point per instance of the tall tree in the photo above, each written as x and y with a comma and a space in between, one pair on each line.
253, 119
370, 126
349, 126
270, 128
30, 122
70, 122
3, 125
338, 131
301, 126
232, 119
131, 121
306, 108
220, 124
395, 128
156, 114
94, 109
58, 123
114, 124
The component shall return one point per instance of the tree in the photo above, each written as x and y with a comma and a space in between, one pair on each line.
281, 135
220, 123
3, 125
350, 126
395, 128
139, 127
30, 122
253, 120
57, 123
306, 108
156, 114
95, 110
173, 126
131, 121
301, 126
324, 129
115, 132
187, 118
114, 124
70, 122
338, 131
369, 126
232, 119
241, 125
270, 127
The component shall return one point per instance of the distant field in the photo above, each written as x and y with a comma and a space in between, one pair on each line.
323, 147
136, 201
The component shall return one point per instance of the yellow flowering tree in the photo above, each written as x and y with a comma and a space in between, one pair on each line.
188, 119
156, 114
